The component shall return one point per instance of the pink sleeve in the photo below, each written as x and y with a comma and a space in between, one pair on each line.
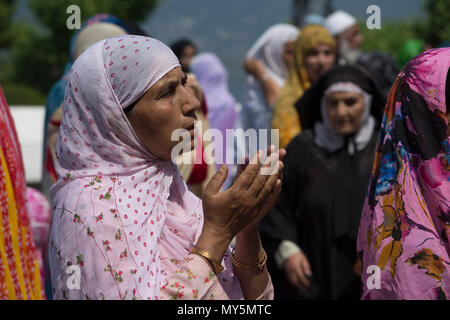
195, 280
268, 293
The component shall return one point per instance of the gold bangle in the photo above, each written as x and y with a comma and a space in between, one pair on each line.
259, 265
217, 267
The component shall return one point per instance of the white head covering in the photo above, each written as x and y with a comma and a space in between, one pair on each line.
326, 137
339, 21
94, 33
268, 49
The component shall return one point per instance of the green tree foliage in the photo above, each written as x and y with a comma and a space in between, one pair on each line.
434, 29
437, 26
39, 56
391, 36
6, 9
19, 94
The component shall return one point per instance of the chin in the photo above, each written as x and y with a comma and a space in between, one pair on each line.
346, 132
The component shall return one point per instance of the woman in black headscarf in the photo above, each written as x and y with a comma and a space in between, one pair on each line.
185, 50
311, 232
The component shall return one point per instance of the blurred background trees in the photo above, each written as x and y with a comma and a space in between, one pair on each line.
433, 30
35, 56
436, 27
391, 36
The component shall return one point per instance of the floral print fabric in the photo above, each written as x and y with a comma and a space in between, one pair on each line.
405, 222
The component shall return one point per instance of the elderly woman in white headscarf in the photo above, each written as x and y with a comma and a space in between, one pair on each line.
267, 65
125, 226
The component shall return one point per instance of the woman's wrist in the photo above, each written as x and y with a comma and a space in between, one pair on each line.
248, 248
261, 75
249, 233
258, 264
214, 243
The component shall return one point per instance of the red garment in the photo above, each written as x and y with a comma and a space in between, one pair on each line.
9, 143
50, 165
19, 269
200, 170
204, 105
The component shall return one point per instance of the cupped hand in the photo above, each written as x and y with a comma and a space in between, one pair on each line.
298, 270
273, 197
247, 201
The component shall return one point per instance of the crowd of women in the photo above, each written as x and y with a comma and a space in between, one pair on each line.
362, 177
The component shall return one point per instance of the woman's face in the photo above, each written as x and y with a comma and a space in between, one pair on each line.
344, 111
318, 61
288, 53
353, 37
186, 56
168, 105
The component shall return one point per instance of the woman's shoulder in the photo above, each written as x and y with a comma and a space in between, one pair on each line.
304, 139
301, 149
373, 141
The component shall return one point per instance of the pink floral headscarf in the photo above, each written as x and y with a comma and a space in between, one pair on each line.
405, 223
120, 214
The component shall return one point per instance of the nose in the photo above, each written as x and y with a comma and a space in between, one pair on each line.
341, 109
322, 58
359, 40
191, 104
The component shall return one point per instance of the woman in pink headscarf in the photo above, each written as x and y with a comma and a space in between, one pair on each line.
124, 224
404, 228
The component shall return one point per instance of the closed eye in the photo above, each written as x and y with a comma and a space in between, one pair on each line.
350, 102
169, 90
170, 87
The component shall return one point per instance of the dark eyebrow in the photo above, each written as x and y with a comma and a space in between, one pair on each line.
171, 84
167, 85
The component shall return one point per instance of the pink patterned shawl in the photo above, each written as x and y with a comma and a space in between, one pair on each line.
40, 218
405, 222
119, 213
